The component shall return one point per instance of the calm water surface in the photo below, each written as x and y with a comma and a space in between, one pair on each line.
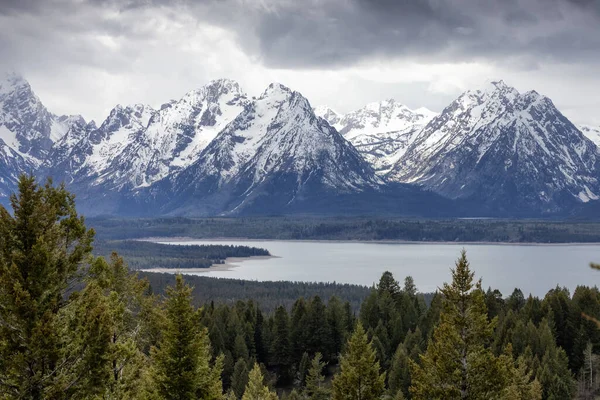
533, 268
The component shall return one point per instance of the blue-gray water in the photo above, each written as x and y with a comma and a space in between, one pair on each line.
533, 268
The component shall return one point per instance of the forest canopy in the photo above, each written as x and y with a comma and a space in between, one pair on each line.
78, 326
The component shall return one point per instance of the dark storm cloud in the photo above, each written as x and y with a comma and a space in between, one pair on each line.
151, 50
335, 33
338, 33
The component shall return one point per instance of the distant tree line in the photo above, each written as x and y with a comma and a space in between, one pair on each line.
144, 254
353, 228
77, 326
268, 295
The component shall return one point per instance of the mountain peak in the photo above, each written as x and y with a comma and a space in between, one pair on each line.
12, 77
276, 89
10, 81
223, 85
494, 85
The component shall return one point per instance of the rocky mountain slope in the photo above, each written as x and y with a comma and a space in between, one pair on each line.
27, 131
215, 151
274, 154
512, 151
136, 145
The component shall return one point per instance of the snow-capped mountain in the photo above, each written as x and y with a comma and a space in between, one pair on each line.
380, 131
275, 150
27, 130
136, 145
591, 132
329, 115
216, 151
85, 154
177, 134
513, 151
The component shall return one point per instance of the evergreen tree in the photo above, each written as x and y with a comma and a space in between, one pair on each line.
127, 323
239, 379
315, 387
303, 367
182, 362
298, 333
337, 326
43, 245
240, 349
256, 389
359, 377
521, 385
280, 345
399, 374
387, 283
458, 363
432, 315
294, 395
318, 335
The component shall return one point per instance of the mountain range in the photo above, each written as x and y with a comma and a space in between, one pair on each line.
216, 151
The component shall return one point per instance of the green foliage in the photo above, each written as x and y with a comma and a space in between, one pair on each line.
256, 389
77, 327
458, 362
315, 386
182, 367
359, 377
239, 379
142, 254
351, 228
399, 375
269, 295
43, 247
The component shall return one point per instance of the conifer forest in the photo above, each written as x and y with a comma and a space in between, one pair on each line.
77, 325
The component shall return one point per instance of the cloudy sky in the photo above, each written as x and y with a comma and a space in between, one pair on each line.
85, 56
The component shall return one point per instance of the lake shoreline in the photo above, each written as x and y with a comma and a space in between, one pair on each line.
226, 266
186, 239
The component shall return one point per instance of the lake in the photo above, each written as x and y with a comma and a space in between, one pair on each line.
533, 268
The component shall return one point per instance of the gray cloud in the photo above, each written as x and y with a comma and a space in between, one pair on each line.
151, 50
334, 33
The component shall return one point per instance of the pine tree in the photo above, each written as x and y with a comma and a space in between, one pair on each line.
239, 378
126, 306
315, 387
303, 367
337, 326
294, 395
256, 389
458, 363
43, 245
399, 374
281, 353
359, 377
182, 362
298, 334
318, 335
521, 385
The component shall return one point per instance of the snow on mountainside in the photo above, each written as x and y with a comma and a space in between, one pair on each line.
215, 151
176, 135
380, 131
277, 148
27, 130
85, 152
514, 151
329, 115
137, 145
591, 132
